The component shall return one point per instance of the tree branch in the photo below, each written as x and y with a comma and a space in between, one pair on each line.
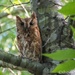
1, 5
7, 65
7, 30
32, 66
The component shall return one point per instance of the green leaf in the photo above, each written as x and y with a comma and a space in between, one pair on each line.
1, 73
65, 67
73, 18
25, 73
68, 9
61, 54
73, 30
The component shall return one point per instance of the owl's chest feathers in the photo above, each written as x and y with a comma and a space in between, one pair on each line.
30, 42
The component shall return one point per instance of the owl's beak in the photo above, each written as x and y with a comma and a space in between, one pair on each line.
26, 30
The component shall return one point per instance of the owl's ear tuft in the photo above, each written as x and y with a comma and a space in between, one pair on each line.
33, 15
18, 19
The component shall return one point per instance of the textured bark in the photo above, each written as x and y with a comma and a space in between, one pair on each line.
32, 66
56, 33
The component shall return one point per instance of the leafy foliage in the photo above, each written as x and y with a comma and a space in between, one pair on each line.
62, 54
8, 35
65, 67
73, 30
67, 55
68, 9
8, 30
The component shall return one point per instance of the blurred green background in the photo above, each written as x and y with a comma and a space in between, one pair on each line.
8, 11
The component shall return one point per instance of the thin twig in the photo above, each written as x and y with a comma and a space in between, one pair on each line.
3, 5
24, 9
14, 5
46, 42
12, 2
56, 3
7, 30
12, 71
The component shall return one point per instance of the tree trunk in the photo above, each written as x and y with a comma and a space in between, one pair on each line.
56, 33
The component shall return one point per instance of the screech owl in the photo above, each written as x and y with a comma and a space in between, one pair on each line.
28, 37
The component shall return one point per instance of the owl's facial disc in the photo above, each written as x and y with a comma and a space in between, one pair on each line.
31, 23
22, 23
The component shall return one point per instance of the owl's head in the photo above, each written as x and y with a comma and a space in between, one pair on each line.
26, 23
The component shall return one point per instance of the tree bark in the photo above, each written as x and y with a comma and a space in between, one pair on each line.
55, 31
22, 63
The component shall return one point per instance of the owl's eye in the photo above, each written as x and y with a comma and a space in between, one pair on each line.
22, 23
31, 23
